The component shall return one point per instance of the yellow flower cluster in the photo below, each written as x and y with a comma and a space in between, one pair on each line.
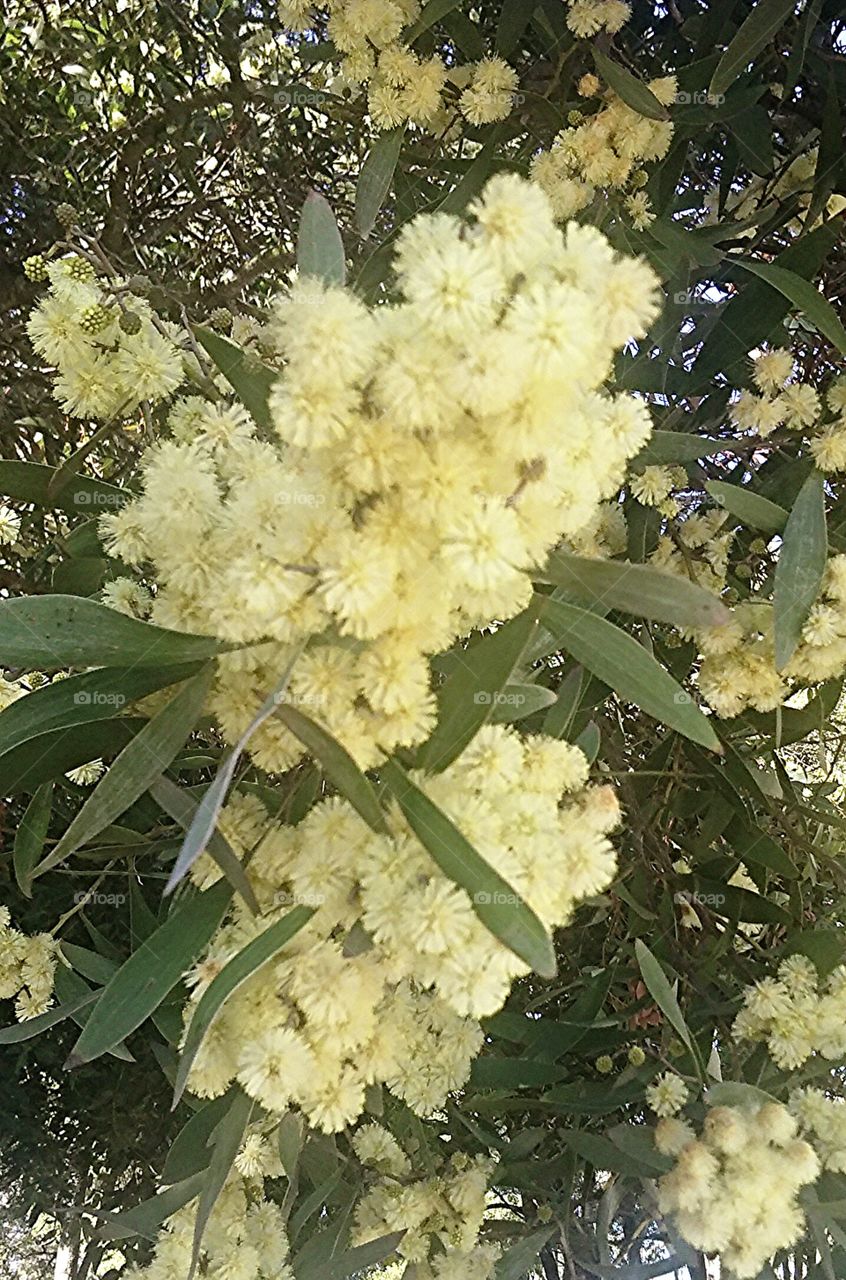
733, 1190
401, 86
27, 969
793, 1016
244, 1239
441, 1216
385, 982
605, 150
823, 1120
112, 368
738, 670
796, 405
587, 18
459, 436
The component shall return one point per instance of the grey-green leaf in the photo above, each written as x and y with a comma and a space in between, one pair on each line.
754, 34
805, 296
662, 993
375, 178
30, 836
153, 970
337, 764
634, 92
635, 588
800, 568
233, 975
320, 250
250, 378
48, 632
625, 666
225, 1142
352, 1262
143, 759
750, 508
499, 908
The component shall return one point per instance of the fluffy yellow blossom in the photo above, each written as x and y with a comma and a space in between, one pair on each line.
27, 969
793, 1017
667, 1094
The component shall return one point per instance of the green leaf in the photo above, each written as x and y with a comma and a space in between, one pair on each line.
146, 1218
375, 178
189, 1152
517, 701
320, 250
33, 1027
337, 764
78, 700
477, 174
634, 92
800, 568
754, 34
754, 845
558, 719
44, 633
805, 296
677, 446
30, 482
635, 588
79, 575
513, 20
226, 1141
619, 661
52, 754
153, 970
662, 993
518, 1260
499, 908
514, 1073
183, 809
730, 900
353, 1261
233, 975
736, 1093
825, 947
467, 698
30, 836
90, 964
249, 377
747, 507
431, 13
145, 758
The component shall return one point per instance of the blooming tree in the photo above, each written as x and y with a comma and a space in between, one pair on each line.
431, 732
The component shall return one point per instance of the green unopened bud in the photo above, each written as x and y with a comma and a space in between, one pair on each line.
636, 1056
604, 1065
744, 572
35, 268
94, 319
676, 1049
639, 179
79, 268
758, 546
221, 318
130, 322
67, 215
575, 117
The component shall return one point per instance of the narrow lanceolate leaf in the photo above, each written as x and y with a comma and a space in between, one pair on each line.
617, 659
352, 1262
47, 632
30, 836
320, 250
248, 376
635, 588
800, 567
226, 1140
805, 296
658, 986
754, 34
678, 446
189, 1152
634, 92
337, 764
513, 20
95, 695
499, 908
232, 976
183, 809
30, 482
375, 178
519, 1260
204, 820
145, 758
154, 969
146, 1218
750, 508
34, 1026
431, 13
468, 698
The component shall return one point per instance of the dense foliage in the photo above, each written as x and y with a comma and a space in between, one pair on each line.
423, 490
